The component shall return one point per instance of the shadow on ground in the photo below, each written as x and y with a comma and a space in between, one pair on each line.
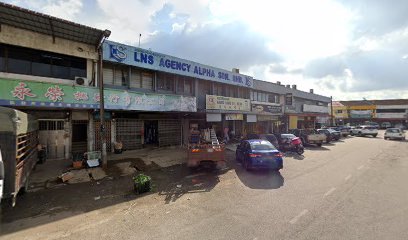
258, 179
56, 201
190, 181
293, 155
316, 148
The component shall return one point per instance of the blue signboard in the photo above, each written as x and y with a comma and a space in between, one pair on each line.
143, 58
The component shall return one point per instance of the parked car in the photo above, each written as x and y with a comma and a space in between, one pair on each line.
394, 133
385, 125
372, 124
344, 130
309, 136
364, 130
400, 126
259, 153
331, 134
270, 137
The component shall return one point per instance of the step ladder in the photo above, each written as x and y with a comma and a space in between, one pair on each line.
213, 137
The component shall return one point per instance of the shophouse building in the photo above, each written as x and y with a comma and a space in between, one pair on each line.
55, 70
49, 67
293, 108
387, 113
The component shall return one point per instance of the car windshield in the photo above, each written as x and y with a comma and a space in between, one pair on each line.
289, 136
393, 130
262, 145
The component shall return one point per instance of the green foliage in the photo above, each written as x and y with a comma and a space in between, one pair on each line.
142, 183
141, 179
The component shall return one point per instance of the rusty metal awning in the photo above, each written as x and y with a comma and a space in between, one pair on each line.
41, 23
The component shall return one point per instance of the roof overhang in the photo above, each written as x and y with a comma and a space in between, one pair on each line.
45, 24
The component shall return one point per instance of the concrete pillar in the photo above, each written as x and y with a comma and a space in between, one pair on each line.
113, 133
67, 140
91, 133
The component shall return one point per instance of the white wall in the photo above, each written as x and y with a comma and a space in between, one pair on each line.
391, 115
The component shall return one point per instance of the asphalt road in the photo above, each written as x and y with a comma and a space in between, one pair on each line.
352, 189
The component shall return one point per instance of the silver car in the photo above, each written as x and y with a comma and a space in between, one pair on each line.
394, 133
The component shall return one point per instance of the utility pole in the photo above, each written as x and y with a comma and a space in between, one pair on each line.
104, 159
331, 110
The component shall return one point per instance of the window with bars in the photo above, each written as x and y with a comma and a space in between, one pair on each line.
51, 125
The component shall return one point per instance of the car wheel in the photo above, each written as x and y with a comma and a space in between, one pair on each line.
374, 135
385, 138
319, 144
245, 163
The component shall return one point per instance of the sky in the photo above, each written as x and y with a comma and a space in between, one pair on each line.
348, 49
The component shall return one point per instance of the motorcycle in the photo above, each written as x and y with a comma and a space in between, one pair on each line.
293, 145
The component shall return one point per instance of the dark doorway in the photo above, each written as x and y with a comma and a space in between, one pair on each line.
79, 137
151, 132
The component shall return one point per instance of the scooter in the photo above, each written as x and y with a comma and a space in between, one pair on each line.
293, 145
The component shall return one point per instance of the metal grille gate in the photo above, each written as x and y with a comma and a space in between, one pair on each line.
51, 135
169, 132
97, 142
129, 132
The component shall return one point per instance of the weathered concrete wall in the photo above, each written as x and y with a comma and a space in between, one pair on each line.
29, 39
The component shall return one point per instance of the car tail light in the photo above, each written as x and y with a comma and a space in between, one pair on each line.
278, 155
255, 155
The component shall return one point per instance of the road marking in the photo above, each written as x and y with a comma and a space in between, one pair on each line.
330, 191
301, 214
347, 178
361, 167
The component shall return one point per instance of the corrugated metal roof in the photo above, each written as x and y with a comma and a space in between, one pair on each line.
41, 23
281, 89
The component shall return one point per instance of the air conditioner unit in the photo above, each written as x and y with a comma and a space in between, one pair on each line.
81, 81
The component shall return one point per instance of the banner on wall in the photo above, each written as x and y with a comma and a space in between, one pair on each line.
361, 113
148, 59
42, 94
262, 108
227, 103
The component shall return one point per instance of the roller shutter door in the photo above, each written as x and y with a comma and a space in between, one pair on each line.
169, 132
128, 131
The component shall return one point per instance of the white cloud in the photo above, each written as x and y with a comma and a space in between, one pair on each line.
338, 47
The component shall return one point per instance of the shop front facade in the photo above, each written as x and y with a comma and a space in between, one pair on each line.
304, 114
130, 68
269, 117
228, 114
48, 70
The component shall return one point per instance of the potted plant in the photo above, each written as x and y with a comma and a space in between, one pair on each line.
77, 161
142, 183
118, 146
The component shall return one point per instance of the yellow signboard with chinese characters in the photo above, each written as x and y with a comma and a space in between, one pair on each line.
227, 103
234, 116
